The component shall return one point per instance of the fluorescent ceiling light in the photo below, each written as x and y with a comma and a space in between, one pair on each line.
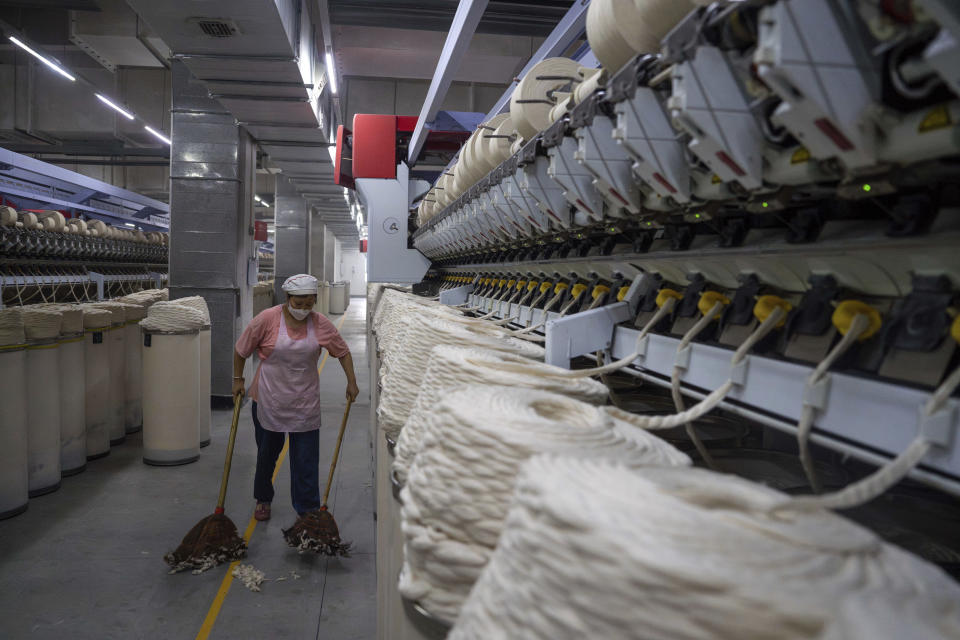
115, 107
257, 198
158, 134
331, 73
49, 63
130, 224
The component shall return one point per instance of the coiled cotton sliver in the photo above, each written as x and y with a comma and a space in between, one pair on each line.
171, 317
122, 311
144, 298
878, 616
459, 485
71, 317
594, 549
41, 323
198, 303
453, 367
95, 317
11, 327
401, 379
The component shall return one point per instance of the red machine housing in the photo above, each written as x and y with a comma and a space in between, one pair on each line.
377, 143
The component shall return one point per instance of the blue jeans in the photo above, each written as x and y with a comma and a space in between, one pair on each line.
304, 465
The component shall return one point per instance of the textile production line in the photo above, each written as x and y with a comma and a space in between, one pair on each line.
73, 238
799, 155
776, 177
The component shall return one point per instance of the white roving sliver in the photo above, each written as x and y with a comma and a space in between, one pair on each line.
172, 317
454, 367
404, 367
395, 307
593, 549
459, 486
198, 303
878, 615
41, 323
11, 327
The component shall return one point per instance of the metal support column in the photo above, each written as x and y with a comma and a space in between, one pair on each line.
292, 243
212, 164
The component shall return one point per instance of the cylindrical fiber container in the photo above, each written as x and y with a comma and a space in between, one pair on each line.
204, 348
73, 428
96, 379
42, 328
171, 375
13, 414
203, 355
323, 298
117, 352
133, 397
338, 298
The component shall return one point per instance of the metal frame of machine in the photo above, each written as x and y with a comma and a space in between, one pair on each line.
774, 147
57, 262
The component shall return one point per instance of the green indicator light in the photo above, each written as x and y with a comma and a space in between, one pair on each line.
696, 215
766, 204
649, 224
867, 187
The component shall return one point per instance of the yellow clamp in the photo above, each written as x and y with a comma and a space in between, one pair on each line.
533, 285
510, 283
520, 284
560, 287
577, 290
847, 310
545, 286
502, 282
665, 294
766, 305
485, 282
955, 329
599, 290
622, 293
709, 299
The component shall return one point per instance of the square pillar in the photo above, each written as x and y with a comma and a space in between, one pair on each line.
212, 167
291, 234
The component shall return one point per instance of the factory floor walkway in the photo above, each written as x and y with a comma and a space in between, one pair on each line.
86, 562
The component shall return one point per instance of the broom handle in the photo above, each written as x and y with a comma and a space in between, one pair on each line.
226, 463
336, 453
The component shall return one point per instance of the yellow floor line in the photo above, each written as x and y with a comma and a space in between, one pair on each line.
224, 589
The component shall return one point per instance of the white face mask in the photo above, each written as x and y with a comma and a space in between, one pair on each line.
299, 314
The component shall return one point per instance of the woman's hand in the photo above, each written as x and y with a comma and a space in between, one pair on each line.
238, 388
352, 391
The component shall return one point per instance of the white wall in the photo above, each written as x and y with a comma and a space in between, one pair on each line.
352, 266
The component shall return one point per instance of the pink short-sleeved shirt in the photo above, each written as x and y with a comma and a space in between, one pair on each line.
261, 336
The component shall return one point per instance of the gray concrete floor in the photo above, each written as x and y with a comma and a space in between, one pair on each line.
86, 561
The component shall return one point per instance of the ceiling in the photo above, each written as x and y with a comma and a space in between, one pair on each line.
505, 17
122, 46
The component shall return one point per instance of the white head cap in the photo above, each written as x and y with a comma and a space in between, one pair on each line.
302, 284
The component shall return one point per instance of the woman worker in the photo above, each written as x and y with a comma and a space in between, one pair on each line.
286, 390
